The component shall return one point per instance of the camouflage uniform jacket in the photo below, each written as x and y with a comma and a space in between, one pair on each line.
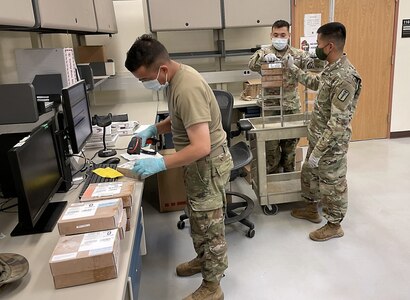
302, 59
339, 87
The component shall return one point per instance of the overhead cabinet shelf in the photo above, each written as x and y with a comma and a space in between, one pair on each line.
59, 16
184, 14
214, 14
17, 13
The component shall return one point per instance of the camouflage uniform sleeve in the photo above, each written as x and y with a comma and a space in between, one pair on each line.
255, 61
342, 95
305, 62
310, 80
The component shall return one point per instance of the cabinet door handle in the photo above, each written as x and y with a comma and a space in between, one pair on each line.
129, 287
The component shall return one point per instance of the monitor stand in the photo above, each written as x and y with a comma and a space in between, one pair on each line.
46, 222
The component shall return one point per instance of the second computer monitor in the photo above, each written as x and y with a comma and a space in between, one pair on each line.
77, 115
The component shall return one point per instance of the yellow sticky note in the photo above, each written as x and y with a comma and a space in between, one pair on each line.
107, 172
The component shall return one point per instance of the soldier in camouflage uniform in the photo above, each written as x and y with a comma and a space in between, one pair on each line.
329, 132
201, 149
282, 153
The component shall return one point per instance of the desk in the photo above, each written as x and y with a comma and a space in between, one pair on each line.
38, 283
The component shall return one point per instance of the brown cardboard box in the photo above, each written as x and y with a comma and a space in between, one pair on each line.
248, 171
110, 190
128, 225
171, 188
90, 216
85, 258
128, 211
298, 158
122, 226
87, 54
251, 89
299, 154
126, 170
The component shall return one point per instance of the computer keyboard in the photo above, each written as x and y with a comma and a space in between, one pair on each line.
91, 177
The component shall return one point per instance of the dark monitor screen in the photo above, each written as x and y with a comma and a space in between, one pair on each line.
77, 115
36, 173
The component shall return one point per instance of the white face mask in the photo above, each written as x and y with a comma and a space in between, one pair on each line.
154, 84
279, 43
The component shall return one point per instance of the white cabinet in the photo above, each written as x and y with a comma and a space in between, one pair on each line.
105, 15
17, 13
255, 13
75, 15
184, 14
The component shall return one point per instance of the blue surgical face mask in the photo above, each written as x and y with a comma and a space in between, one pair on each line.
279, 44
154, 84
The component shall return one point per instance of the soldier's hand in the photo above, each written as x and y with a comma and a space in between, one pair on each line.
148, 166
270, 57
148, 132
288, 61
313, 161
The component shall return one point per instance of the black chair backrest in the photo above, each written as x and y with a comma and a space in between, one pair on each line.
225, 102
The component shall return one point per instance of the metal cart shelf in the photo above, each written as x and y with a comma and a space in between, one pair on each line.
272, 189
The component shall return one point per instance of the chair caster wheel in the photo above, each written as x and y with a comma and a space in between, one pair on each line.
181, 224
270, 210
251, 233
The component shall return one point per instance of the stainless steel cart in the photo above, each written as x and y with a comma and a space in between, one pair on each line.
272, 189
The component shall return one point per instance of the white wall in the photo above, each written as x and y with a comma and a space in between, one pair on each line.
400, 119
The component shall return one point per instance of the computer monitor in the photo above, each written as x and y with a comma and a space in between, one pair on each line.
77, 115
86, 73
37, 176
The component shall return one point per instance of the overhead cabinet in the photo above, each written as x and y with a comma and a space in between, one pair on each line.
255, 13
184, 14
17, 13
105, 16
75, 15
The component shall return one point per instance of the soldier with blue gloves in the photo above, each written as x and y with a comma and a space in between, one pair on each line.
201, 149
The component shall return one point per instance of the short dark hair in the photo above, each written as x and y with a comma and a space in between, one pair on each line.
146, 51
334, 32
280, 24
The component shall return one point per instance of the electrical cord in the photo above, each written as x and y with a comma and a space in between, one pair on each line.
4, 208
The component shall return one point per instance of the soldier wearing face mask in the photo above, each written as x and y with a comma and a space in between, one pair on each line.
282, 153
201, 149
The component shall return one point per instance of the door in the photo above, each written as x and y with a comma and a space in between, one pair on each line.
369, 46
300, 8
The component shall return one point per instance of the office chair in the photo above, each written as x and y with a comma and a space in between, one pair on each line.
241, 156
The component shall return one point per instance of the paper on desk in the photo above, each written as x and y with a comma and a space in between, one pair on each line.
139, 156
107, 172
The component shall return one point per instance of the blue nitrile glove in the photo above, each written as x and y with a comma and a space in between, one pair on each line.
148, 166
148, 132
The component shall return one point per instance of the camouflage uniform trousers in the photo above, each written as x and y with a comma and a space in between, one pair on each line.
205, 182
327, 183
281, 152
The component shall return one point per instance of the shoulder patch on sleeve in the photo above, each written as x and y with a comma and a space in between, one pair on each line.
343, 95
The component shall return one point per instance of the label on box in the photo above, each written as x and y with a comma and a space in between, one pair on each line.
275, 66
105, 203
65, 256
100, 251
107, 189
87, 210
98, 240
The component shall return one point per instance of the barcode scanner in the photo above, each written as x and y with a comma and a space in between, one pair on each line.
134, 146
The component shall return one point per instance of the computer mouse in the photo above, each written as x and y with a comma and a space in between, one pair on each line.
111, 160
